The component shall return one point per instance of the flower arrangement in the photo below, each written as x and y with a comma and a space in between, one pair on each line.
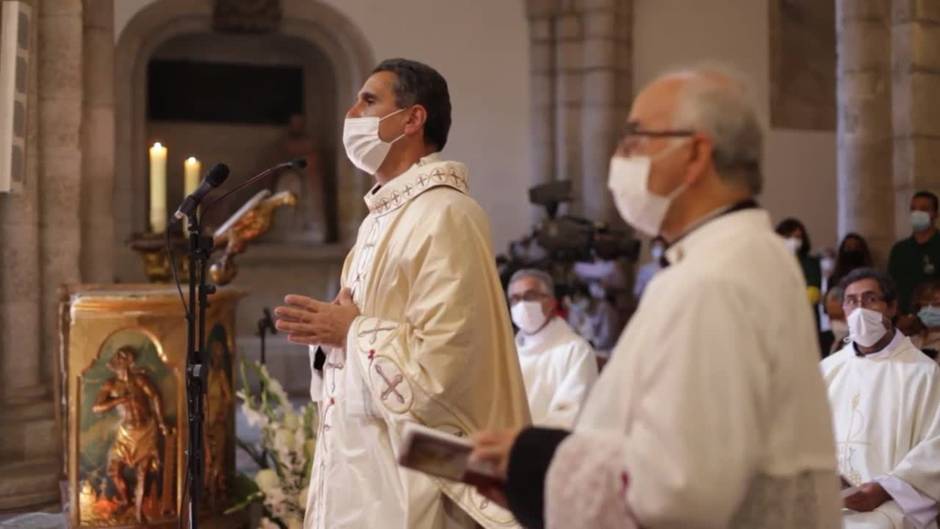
285, 453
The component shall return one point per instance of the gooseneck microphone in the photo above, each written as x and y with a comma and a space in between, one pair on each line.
298, 163
214, 178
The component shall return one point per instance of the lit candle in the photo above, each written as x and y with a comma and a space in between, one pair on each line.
157, 188
191, 170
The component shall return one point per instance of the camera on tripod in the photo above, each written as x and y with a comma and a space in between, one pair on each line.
570, 238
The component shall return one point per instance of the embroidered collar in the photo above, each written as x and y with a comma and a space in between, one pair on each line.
427, 173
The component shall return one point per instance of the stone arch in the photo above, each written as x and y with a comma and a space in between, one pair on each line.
314, 22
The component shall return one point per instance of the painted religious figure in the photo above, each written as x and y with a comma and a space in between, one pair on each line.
127, 440
218, 419
135, 448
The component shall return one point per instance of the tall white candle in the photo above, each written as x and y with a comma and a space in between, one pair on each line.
191, 170
157, 188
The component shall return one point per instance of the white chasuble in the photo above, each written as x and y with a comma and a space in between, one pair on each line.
558, 368
433, 345
886, 413
711, 412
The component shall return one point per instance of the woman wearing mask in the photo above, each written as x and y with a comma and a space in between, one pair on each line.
797, 239
853, 253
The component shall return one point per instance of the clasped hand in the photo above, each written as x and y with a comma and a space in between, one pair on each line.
311, 322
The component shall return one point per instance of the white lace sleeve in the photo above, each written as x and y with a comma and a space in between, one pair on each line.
586, 485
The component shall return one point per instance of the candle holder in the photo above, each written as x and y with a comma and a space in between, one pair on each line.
152, 250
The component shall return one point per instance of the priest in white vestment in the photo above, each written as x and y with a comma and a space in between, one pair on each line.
885, 397
420, 331
711, 412
558, 366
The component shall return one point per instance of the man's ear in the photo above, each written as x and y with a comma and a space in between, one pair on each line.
417, 117
700, 158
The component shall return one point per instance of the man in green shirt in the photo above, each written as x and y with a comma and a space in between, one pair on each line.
917, 258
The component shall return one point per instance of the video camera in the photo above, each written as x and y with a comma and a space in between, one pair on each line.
570, 238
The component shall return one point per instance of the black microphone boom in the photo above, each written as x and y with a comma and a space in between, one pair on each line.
297, 164
217, 174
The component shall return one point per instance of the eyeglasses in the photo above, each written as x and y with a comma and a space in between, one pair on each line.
632, 137
866, 300
529, 295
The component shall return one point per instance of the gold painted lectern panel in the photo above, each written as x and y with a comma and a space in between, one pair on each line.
123, 362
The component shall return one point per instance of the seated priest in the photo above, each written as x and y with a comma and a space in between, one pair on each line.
558, 366
885, 396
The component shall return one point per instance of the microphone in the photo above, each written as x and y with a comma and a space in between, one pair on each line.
214, 178
298, 163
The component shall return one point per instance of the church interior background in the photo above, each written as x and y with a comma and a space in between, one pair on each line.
849, 91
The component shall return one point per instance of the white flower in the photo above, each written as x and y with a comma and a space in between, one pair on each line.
291, 421
267, 480
283, 440
254, 418
267, 523
293, 522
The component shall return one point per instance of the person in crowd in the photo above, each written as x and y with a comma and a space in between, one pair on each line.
558, 366
648, 270
712, 411
926, 306
916, 259
885, 397
853, 253
420, 331
797, 240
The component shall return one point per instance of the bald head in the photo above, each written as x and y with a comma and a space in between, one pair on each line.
714, 102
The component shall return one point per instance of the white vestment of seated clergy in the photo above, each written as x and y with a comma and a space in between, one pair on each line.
433, 345
711, 412
558, 368
886, 413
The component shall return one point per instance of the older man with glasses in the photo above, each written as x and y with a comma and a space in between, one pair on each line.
885, 396
711, 412
558, 366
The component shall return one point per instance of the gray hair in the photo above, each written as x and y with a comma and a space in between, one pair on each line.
716, 101
548, 284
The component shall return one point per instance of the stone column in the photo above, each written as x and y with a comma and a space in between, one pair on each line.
915, 87
60, 159
97, 143
863, 129
581, 89
31, 226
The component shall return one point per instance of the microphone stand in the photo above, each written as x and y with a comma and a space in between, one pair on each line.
200, 247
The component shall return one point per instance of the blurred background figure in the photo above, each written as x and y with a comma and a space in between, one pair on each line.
558, 366
797, 240
648, 270
853, 253
924, 330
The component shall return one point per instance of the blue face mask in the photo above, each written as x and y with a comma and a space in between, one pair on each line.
930, 316
920, 220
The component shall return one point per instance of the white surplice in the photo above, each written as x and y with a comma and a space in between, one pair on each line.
433, 345
558, 368
711, 412
886, 414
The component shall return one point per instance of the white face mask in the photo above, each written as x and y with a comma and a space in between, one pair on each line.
528, 316
364, 148
793, 243
866, 326
628, 181
827, 264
